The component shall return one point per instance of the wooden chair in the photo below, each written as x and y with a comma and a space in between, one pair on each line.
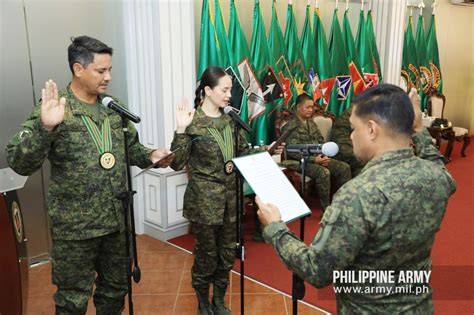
324, 120
436, 104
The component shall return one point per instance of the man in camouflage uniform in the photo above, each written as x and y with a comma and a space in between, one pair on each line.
319, 167
386, 218
341, 134
87, 172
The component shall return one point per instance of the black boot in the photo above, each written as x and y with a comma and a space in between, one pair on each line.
204, 307
218, 306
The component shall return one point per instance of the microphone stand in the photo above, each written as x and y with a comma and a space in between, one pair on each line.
128, 212
298, 288
240, 249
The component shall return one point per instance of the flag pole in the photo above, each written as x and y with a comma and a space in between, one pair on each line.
421, 6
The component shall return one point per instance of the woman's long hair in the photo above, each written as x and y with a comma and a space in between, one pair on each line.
210, 78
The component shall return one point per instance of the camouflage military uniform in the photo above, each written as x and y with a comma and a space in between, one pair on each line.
308, 133
87, 220
384, 219
341, 134
209, 200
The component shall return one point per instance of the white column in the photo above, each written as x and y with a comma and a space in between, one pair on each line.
389, 27
159, 46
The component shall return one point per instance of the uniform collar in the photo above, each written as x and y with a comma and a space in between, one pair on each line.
81, 108
209, 122
390, 156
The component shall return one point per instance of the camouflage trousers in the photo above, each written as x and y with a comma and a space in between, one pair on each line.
337, 171
214, 254
78, 264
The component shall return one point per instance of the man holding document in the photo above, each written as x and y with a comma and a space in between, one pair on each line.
382, 221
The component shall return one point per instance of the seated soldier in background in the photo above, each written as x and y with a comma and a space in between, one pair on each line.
319, 167
341, 134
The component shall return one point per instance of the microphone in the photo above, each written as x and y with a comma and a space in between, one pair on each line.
110, 103
328, 148
228, 110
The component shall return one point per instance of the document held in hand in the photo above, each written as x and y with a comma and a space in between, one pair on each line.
271, 185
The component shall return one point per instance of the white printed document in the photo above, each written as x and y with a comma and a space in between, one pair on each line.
271, 185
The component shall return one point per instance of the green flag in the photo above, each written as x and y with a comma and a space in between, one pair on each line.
225, 52
307, 47
358, 82
410, 73
323, 66
262, 63
241, 55
366, 59
238, 43
294, 54
276, 42
208, 45
423, 64
433, 56
341, 70
369, 28
227, 59
307, 40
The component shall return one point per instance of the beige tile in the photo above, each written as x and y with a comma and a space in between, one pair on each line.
249, 286
185, 304
45, 268
40, 284
189, 262
162, 260
302, 308
158, 282
146, 243
39, 305
152, 304
186, 286
165, 271
259, 304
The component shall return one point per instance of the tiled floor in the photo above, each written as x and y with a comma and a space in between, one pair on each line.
165, 287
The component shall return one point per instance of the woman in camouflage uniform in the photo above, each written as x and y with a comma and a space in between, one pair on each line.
206, 138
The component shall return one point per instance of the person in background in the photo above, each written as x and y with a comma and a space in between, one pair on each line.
206, 145
83, 141
341, 134
383, 220
320, 168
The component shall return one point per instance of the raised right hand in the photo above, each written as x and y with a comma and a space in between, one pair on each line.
52, 108
183, 116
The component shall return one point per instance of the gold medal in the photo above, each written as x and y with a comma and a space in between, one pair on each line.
229, 167
107, 160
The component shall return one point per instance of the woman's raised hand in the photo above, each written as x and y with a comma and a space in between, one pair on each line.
183, 116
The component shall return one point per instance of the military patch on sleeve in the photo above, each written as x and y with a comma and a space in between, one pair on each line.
24, 134
329, 218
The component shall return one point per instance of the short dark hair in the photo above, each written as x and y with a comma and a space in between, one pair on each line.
82, 50
210, 77
387, 104
303, 97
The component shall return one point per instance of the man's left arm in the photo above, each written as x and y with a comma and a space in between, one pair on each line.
140, 155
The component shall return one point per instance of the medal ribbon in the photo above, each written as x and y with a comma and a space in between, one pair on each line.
225, 141
103, 139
